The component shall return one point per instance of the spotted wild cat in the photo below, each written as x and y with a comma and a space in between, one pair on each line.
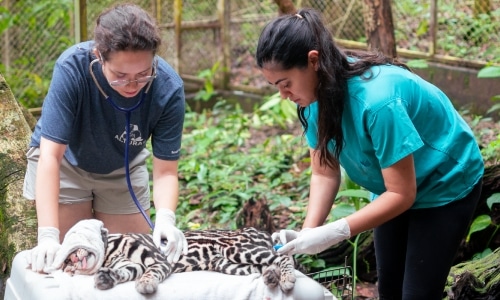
236, 252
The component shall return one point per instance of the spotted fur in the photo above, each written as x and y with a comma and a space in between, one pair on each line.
235, 252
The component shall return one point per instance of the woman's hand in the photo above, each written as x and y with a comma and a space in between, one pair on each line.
313, 240
165, 230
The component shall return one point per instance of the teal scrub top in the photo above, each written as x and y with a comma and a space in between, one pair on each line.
396, 113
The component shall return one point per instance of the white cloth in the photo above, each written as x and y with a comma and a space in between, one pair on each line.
200, 285
86, 234
189, 285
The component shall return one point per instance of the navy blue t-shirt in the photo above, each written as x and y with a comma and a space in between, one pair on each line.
75, 113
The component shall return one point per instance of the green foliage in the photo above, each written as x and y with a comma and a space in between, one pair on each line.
474, 31
483, 222
277, 110
33, 94
491, 72
219, 171
44, 20
491, 152
350, 198
417, 64
6, 19
208, 77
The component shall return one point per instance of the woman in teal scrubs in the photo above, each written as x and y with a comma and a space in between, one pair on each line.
396, 135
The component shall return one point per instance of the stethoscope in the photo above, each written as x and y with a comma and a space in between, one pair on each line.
128, 113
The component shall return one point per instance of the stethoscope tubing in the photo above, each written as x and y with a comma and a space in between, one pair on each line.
128, 113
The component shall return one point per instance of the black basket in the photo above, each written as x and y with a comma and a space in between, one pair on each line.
337, 281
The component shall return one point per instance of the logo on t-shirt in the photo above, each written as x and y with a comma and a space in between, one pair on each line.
135, 136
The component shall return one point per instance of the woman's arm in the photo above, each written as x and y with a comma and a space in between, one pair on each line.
47, 183
165, 184
325, 182
165, 195
401, 189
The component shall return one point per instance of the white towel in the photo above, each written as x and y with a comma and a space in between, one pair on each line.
197, 285
86, 234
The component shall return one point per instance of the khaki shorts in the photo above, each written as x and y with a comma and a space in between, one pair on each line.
109, 192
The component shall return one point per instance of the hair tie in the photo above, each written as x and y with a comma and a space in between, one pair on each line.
299, 16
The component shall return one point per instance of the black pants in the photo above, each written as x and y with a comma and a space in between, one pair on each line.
415, 250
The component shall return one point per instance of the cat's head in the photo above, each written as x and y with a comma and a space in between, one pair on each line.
89, 235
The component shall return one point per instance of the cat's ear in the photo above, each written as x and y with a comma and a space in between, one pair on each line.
104, 235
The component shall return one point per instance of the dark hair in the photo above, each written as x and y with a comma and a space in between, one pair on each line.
285, 43
125, 27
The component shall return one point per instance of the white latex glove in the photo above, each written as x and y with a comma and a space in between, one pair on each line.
165, 230
285, 235
42, 256
315, 240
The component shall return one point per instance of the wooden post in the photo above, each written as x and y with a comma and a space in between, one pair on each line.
224, 11
83, 20
178, 33
433, 24
379, 27
285, 7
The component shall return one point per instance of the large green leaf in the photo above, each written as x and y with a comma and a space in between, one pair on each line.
354, 193
342, 210
480, 223
489, 72
493, 199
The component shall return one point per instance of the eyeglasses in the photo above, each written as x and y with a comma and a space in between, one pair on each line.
141, 80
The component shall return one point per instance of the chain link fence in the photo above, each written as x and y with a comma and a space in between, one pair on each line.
34, 32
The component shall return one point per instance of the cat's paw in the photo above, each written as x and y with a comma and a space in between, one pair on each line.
146, 285
105, 279
287, 280
271, 275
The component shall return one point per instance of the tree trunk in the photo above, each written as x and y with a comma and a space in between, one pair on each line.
285, 7
379, 27
18, 225
476, 279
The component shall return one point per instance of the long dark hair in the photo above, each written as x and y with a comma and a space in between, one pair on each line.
126, 27
286, 42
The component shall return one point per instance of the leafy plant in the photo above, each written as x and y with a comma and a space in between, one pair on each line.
491, 72
219, 171
350, 199
277, 110
417, 64
483, 222
208, 76
491, 152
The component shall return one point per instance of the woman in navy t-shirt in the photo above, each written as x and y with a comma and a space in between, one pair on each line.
106, 99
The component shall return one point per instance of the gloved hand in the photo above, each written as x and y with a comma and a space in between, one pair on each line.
42, 256
314, 240
285, 235
165, 229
